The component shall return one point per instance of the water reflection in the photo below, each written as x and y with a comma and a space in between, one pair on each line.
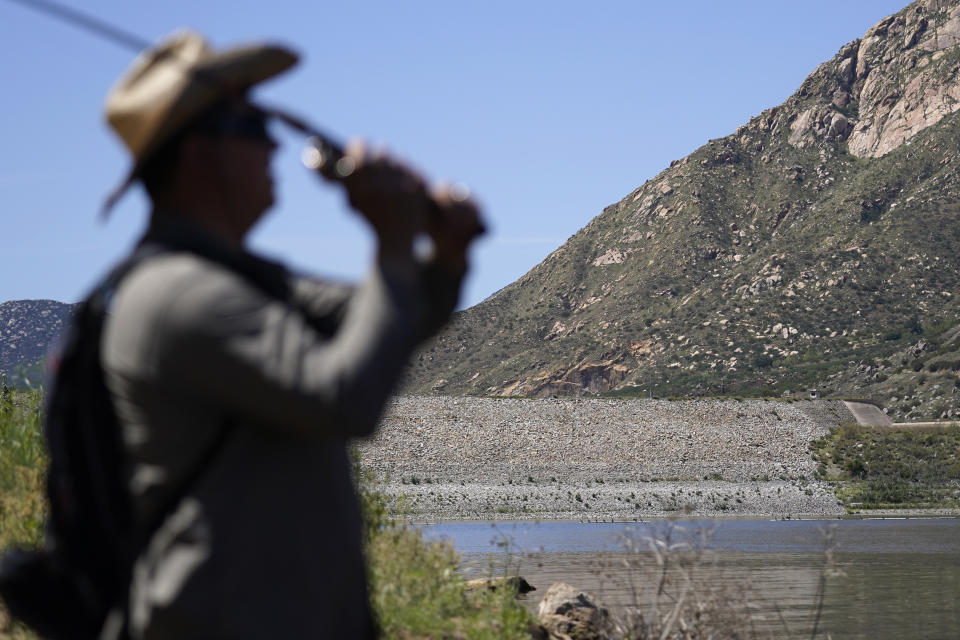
893, 578
895, 596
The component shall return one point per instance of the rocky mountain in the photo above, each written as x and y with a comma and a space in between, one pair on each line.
814, 247
28, 328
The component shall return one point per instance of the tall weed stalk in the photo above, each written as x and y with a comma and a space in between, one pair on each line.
677, 591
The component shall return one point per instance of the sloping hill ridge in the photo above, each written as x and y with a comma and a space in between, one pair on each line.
28, 328
816, 241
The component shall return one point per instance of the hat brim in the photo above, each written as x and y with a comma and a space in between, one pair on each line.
231, 72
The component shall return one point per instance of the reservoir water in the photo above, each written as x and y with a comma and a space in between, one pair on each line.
890, 578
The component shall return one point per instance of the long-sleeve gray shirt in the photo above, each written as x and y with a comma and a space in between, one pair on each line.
266, 540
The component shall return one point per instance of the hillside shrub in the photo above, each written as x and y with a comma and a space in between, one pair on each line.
941, 326
913, 326
884, 467
762, 361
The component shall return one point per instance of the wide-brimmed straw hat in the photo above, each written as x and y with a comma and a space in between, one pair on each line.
170, 84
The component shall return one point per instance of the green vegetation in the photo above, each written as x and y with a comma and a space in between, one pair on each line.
28, 376
22, 466
23, 461
414, 587
883, 468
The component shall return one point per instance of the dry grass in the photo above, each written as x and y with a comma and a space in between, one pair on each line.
679, 592
671, 595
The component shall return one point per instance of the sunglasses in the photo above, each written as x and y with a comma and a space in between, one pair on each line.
252, 126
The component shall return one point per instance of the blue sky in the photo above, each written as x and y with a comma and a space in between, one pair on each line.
549, 110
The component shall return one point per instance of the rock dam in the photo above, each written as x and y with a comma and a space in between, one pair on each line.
469, 458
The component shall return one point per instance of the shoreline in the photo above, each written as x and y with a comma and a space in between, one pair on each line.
916, 514
615, 502
775, 500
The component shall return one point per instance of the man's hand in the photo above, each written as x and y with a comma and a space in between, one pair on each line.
395, 200
391, 196
454, 224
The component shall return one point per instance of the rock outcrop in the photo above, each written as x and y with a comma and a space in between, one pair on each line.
906, 77
899, 79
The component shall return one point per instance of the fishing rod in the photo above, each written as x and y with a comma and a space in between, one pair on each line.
323, 153
86, 22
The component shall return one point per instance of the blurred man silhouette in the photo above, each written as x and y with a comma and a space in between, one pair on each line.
238, 384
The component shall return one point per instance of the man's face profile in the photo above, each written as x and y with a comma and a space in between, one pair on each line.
246, 149
233, 148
